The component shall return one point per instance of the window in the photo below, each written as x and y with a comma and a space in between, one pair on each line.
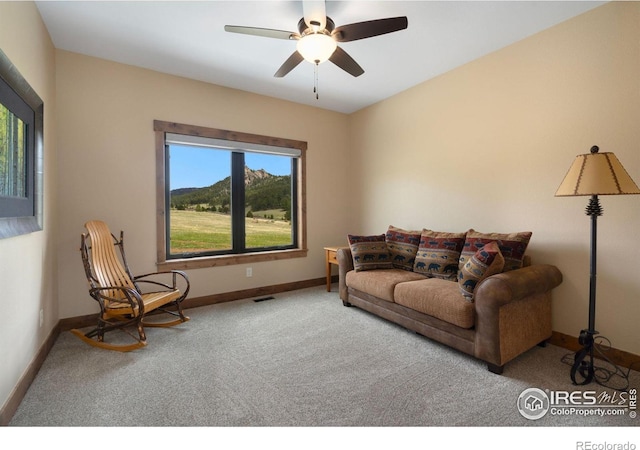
228, 198
20, 153
13, 148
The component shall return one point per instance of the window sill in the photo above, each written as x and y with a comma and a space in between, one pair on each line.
229, 260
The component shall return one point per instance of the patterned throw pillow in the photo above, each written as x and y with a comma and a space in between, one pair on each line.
438, 254
402, 245
512, 246
369, 252
485, 262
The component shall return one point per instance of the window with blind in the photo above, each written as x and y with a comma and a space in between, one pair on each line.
20, 153
228, 196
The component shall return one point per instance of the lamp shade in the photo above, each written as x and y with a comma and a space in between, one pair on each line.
596, 174
316, 47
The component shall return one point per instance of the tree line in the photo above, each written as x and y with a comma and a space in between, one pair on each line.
272, 192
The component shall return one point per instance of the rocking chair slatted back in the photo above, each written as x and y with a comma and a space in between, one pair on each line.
107, 267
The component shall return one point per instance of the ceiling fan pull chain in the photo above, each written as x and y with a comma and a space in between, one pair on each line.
315, 80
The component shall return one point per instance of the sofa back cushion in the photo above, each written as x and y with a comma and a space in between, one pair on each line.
485, 262
402, 246
369, 252
512, 246
438, 254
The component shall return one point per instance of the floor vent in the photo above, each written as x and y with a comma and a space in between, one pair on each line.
263, 299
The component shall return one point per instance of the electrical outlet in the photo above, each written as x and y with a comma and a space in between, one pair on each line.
249, 272
41, 317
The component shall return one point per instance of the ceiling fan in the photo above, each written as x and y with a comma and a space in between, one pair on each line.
318, 37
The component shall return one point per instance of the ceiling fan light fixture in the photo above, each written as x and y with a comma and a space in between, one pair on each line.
316, 47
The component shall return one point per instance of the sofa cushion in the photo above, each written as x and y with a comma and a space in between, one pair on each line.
485, 262
512, 246
438, 298
380, 283
438, 254
369, 252
402, 245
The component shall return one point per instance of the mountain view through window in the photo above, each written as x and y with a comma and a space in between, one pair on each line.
224, 201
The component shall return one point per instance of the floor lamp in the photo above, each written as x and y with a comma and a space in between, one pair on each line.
593, 174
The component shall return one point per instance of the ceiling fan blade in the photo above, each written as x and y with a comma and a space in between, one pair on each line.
342, 59
291, 62
264, 32
315, 14
370, 28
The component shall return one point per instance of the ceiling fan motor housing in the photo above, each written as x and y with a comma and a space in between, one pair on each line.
303, 29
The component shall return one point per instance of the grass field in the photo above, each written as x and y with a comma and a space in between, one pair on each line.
193, 231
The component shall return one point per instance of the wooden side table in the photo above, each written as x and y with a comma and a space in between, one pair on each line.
330, 258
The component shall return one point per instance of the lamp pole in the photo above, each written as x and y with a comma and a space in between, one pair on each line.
586, 338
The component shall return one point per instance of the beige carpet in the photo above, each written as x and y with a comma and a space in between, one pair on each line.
299, 360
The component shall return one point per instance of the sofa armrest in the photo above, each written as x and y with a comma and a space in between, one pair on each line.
500, 289
513, 312
345, 264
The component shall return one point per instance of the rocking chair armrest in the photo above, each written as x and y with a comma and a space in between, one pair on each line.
130, 296
174, 284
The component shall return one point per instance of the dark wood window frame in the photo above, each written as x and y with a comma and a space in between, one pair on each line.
30, 208
300, 250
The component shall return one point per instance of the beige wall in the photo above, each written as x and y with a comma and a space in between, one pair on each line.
486, 146
27, 263
108, 171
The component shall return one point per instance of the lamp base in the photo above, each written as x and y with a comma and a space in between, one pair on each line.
583, 367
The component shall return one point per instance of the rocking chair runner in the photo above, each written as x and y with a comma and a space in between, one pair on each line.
122, 301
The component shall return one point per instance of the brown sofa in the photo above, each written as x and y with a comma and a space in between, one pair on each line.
510, 312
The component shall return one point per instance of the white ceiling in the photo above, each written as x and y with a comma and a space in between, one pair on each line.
187, 39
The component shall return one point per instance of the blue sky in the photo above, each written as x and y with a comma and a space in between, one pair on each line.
200, 166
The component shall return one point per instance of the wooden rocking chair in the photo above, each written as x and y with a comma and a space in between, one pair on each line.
123, 304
